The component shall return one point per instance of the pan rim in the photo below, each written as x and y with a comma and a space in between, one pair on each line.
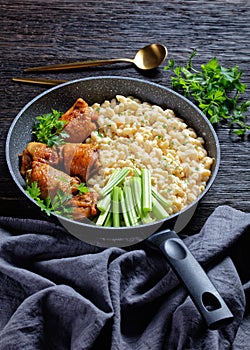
110, 77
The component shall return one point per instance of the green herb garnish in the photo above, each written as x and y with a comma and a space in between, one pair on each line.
215, 89
57, 205
82, 188
34, 191
49, 128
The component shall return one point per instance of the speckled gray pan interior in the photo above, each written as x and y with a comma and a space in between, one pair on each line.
98, 89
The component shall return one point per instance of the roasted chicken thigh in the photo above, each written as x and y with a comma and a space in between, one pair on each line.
51, 180
81, 121
40, 152
61, 169
79, 159
75, 159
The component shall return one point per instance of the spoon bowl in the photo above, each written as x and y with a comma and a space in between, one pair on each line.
148, 57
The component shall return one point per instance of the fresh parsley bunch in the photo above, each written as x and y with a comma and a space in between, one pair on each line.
215, 89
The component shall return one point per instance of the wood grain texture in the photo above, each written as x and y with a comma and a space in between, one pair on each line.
40, 32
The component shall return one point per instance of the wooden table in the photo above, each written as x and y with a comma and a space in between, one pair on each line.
41, 32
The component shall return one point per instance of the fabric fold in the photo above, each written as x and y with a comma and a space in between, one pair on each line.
57, 292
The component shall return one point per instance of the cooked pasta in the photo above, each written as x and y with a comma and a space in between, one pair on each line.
132, 133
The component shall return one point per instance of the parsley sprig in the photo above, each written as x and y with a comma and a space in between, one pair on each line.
48, 128
215, 89
82, 188
57, 205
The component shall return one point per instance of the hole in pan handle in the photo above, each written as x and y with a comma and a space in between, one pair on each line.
205, 296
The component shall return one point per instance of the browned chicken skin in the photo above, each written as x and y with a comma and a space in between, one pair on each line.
79, 159
76, 159
81, 121
84, 205
40, 152
64, 167
50, 180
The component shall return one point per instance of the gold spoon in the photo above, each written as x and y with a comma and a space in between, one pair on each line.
149, 57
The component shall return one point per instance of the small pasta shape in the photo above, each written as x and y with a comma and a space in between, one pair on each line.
132, 133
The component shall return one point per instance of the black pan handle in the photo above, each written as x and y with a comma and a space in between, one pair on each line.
203, 293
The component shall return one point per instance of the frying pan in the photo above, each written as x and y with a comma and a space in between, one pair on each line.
162, 234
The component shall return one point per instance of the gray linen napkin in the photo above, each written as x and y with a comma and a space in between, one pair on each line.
57, 292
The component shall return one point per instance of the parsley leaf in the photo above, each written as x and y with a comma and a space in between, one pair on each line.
49, 128
34, 191
57, 205
82, 188
215, 89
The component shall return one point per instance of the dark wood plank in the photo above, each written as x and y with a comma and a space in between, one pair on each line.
40, 32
